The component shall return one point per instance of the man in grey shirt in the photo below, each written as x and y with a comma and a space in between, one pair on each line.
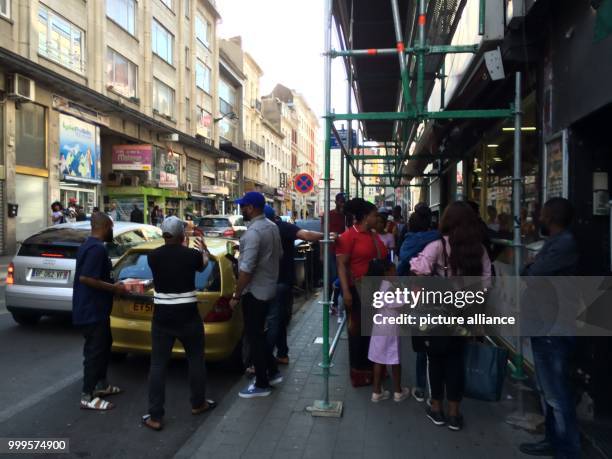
260, 253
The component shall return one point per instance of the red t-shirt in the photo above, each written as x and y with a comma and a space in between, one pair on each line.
359, 246
337, 224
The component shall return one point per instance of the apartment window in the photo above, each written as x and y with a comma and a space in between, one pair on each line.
60, 41
5, 8
30, 136
168, 3
187, 113
227, 96
202, 27
204, 122
163, 42
202, 76
187, 6
163, 99
187, 58
123, 12
121, 73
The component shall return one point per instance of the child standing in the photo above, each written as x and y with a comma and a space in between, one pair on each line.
385, 350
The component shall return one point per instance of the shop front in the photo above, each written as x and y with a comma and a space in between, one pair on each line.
147, 177
79, 162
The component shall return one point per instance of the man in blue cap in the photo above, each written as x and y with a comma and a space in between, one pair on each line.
282, 306
260, 254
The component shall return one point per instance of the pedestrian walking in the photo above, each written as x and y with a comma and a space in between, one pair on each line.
385, 348
551, 354
420, 233
57, 213
460, 252
260, 255
71, 212
281, 308
337, 224
176, 316
136, 216
387, 238
355, 248
92, 301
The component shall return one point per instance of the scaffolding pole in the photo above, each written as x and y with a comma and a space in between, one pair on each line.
325, 407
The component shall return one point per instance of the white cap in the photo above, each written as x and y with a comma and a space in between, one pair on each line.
173, 226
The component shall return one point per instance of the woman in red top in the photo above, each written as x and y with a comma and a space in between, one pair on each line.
355, 248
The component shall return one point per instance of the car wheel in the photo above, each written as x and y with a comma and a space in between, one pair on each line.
26, 318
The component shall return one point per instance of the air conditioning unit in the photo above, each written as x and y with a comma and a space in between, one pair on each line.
189, 187
21, 87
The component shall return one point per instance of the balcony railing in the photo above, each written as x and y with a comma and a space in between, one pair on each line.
256, 149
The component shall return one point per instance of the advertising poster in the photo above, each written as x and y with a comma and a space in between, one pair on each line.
132, 157
555, 178
79, 150
169, 163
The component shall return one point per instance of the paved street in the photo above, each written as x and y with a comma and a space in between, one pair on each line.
40, 394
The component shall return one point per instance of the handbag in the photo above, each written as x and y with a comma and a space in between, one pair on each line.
376, 266
485, 371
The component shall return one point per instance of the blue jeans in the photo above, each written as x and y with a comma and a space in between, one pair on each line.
278, 319
551, 358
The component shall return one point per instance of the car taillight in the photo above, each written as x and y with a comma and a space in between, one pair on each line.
229, 233
10, 274
51, 255
221, 312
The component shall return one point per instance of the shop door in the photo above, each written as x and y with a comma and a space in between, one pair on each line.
194, 174
31, 194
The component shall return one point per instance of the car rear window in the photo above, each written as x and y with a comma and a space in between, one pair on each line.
54, 243
214, 223
135, 266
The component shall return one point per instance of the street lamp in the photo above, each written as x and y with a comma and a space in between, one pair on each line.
230, 115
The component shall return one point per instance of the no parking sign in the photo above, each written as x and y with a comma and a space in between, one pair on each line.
303, 183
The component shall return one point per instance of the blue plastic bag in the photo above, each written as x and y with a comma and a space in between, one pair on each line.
485, 371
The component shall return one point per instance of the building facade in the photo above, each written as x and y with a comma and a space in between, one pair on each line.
112, 103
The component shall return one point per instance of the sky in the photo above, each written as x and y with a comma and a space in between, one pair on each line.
285, 37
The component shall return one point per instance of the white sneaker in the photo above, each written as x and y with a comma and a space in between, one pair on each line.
384, 395
403, 395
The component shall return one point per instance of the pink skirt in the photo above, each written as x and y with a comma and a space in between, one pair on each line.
384, 350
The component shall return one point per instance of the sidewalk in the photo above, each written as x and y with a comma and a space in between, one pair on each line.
279, 427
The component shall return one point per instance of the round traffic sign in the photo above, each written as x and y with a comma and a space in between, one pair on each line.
304, 183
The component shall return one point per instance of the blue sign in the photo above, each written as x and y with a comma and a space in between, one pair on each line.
79, 150
304, 183
344, 138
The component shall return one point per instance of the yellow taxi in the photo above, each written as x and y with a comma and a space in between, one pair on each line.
132, 314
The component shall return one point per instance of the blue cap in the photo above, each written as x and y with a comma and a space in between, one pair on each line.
252, 198
269, 212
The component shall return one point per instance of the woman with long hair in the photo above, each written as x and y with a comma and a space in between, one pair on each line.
355, 248
460, 252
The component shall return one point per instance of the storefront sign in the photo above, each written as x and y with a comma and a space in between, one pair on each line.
79, 150
215, 189
169, 164
132, 157
556, 167
228, 165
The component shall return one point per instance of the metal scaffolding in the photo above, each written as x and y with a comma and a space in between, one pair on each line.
407, 117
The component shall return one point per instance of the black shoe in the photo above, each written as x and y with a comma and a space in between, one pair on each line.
541, 448
437, 417
455, 422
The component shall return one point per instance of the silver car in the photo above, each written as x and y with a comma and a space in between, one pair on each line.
229, 226
40, 277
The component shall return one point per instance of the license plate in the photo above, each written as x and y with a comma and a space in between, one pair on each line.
49, 274
142, 308
210, 233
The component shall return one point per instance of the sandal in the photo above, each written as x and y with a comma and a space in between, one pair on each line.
110, 390
147, 421
96, 404
208, 405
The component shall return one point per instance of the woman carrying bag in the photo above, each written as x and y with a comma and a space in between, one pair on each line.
460, 252
359, 252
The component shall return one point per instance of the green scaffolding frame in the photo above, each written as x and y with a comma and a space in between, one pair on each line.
410, 112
